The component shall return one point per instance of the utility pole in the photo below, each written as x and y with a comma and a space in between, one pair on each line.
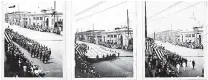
93, 33
54, 11
128, 22
145, 21
93, 29
171, 34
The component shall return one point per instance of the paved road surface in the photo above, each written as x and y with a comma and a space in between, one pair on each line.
119, 67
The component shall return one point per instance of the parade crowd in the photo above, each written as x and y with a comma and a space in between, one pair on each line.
38, 28
81, 61
116, 46
109, 54
164, 62
36, 49
190, 45
17, 64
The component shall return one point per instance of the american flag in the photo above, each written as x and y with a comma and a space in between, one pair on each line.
152, 47
8, 36
159, 52
78, 50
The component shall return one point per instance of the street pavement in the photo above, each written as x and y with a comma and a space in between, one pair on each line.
55, 66
119, 67
190, 54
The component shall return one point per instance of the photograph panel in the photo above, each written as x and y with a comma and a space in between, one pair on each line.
174, 39
33, 39
104, 39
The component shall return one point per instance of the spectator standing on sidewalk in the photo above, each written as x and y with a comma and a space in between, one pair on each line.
193, 64
178, 67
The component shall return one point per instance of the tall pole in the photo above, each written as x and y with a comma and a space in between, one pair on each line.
19, 14
145, 21
54, 11
128, 22
171, 34
93, 29
93, 33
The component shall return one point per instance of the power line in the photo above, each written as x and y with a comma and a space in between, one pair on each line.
85, 10
101, 11
171, 6
176, 12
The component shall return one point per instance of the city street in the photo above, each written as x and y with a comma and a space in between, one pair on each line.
190, 54
120, 67
55, 66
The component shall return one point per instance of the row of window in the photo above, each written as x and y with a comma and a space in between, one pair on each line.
112, 36
37, 18
190, 35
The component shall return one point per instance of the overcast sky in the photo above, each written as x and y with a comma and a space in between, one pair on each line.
106, 20
181, 20
33, 6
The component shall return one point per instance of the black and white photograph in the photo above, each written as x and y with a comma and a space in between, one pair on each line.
33, 39
104, 39
174, 39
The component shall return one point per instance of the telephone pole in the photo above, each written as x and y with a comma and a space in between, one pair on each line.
145, 21
54, 11
128, 22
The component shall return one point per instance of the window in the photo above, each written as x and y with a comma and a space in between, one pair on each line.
193, 35
37, 18
41, 18
189, 35
115, 36
24, 18
33, 18
186, 35
108, 35
111, 36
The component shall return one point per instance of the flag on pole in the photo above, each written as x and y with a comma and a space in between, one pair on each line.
13, 6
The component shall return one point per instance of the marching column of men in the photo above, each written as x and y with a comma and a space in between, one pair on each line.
36, 49
81, 61
111, 55
19, 65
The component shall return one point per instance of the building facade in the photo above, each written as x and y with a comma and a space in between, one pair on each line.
179, 36
27, 18
121, 37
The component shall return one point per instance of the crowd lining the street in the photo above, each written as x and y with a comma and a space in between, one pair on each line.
117, 46
190, 45
36, 49
164, 62
81, 61
19, 65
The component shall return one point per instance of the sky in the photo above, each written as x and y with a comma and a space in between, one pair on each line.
106, 20
182, 20
32, 6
